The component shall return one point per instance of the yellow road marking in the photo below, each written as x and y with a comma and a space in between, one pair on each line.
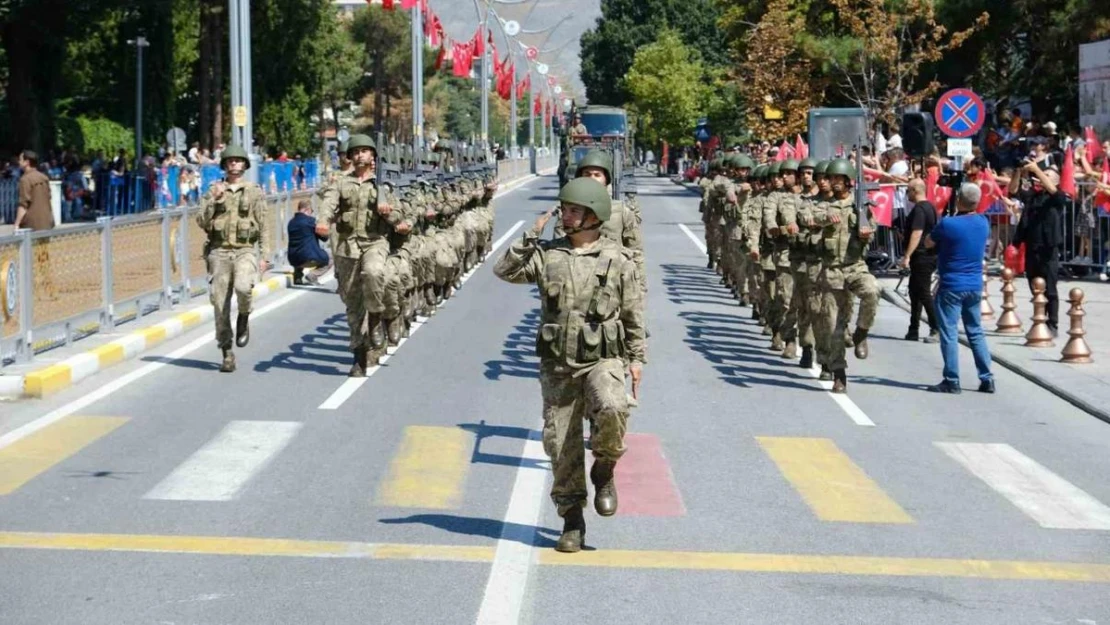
27, 458
47, 380
835, 565
109, 354
153, 335
189, 319
830, 483
234, 546
429, 470
796, 564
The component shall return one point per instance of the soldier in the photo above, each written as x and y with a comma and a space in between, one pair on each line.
807, 296
733, 232
751, 217
592, 329
768, 247
579, 129
233, 214
788, 256
363, 226
704, 183
844, 271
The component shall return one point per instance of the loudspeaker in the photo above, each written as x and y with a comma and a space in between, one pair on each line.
917, 134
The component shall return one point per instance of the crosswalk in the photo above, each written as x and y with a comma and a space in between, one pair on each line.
430, 467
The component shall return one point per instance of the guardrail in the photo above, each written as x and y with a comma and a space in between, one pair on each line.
58, 286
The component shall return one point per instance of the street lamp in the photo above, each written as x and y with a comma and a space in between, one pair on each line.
140, 42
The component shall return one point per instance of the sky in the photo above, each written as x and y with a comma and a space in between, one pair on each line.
559, 47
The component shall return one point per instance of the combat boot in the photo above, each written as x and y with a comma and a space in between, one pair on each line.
791, 351
574, 531
358, 368
840, 381
755, 313
859, 337
605, 495
807, 358
242, 330
767, 331
429, 300
745, 300
776, 343
393, 331
826, 374
228, 364
377, 337
710, 264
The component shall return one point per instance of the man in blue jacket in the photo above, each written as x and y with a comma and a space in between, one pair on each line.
304, 246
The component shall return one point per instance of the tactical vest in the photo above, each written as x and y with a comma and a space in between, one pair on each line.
843, 247
357, 215
236, 225
581, 322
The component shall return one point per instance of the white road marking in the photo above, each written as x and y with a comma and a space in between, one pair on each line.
220, 469
123, 381
693, 237
1049, 499
512, 562
858, 416
348, 388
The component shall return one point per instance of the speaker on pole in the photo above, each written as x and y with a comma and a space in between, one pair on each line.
917, 134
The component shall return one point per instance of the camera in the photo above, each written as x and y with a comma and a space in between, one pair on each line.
952, 179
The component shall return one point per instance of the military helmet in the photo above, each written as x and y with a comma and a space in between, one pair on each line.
235, 151
599, 159
360, 141
743, 161
807, 163
788, 165
759, 172
821, 168
841, 167
715, 163
774, 169
587, 193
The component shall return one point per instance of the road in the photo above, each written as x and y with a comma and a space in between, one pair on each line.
161, 491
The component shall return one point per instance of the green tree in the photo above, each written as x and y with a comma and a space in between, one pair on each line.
667, 89
285, 124
386, 40
627, 25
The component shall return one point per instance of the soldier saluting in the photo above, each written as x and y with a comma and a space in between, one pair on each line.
363, 225
233, 214
592, 329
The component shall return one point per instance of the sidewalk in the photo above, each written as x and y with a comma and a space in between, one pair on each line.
1086, 386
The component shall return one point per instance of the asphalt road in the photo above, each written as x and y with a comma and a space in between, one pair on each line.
161, 491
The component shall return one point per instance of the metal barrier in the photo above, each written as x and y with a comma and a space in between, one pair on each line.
9, 200
511, 169
57, 286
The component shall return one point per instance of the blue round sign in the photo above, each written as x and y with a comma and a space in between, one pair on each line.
960, 113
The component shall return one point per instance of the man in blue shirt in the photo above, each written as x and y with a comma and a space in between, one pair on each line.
304, 248
960, 242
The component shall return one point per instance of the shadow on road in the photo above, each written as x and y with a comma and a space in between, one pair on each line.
488, 528
482, 431
518, 351
324, 351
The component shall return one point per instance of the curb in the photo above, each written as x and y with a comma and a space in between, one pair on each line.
1010, 365
54, 378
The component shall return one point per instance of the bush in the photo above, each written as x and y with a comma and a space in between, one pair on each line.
88, 135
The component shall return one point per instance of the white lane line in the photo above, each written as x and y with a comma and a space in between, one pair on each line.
348, 388
858, 416
1049, 499
693, 237
512, 562
220, 469
123, 381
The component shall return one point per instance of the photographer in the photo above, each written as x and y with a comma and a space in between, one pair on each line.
1041, 228
920, 260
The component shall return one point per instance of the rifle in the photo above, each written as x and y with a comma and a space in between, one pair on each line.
863, 203
379, 171
618, 172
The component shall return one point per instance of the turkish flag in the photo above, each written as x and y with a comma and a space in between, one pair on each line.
882, 204
386, 4
936, 194
479, 43
1102, 198
1094, 148
991, 192
440, 56
407, 4
801, 150
537, 106
1067, 174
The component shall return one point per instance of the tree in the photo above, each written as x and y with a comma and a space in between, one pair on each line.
775, 75
878, 49
342, 74
386, 38
285, 125
627, 25
666, 88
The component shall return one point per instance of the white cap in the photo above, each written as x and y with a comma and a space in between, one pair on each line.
894, 142
1050, 127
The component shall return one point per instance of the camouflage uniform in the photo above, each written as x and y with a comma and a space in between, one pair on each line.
772, 315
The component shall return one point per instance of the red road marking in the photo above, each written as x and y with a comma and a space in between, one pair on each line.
645, 483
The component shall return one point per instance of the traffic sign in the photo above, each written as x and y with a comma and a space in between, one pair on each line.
959, 147
960, 113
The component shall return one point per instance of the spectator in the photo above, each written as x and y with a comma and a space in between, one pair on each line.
304, 246
920, 259
960, 241
75, 191
1041, 229
34, 195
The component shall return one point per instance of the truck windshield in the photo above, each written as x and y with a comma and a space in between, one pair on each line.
604, 123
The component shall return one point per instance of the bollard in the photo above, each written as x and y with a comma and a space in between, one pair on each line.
1008, 323
986, 312
1076, 350
1039, 335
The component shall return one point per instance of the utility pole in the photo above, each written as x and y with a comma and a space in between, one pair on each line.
139, 42
242, 127
417, 81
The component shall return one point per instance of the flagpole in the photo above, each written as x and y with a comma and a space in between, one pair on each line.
417, 80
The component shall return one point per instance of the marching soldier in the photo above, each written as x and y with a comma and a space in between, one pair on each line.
751, 217
844, 271
592, 329
733, 232
772, 315
233, 214
787, 257
806, 292
363, 227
